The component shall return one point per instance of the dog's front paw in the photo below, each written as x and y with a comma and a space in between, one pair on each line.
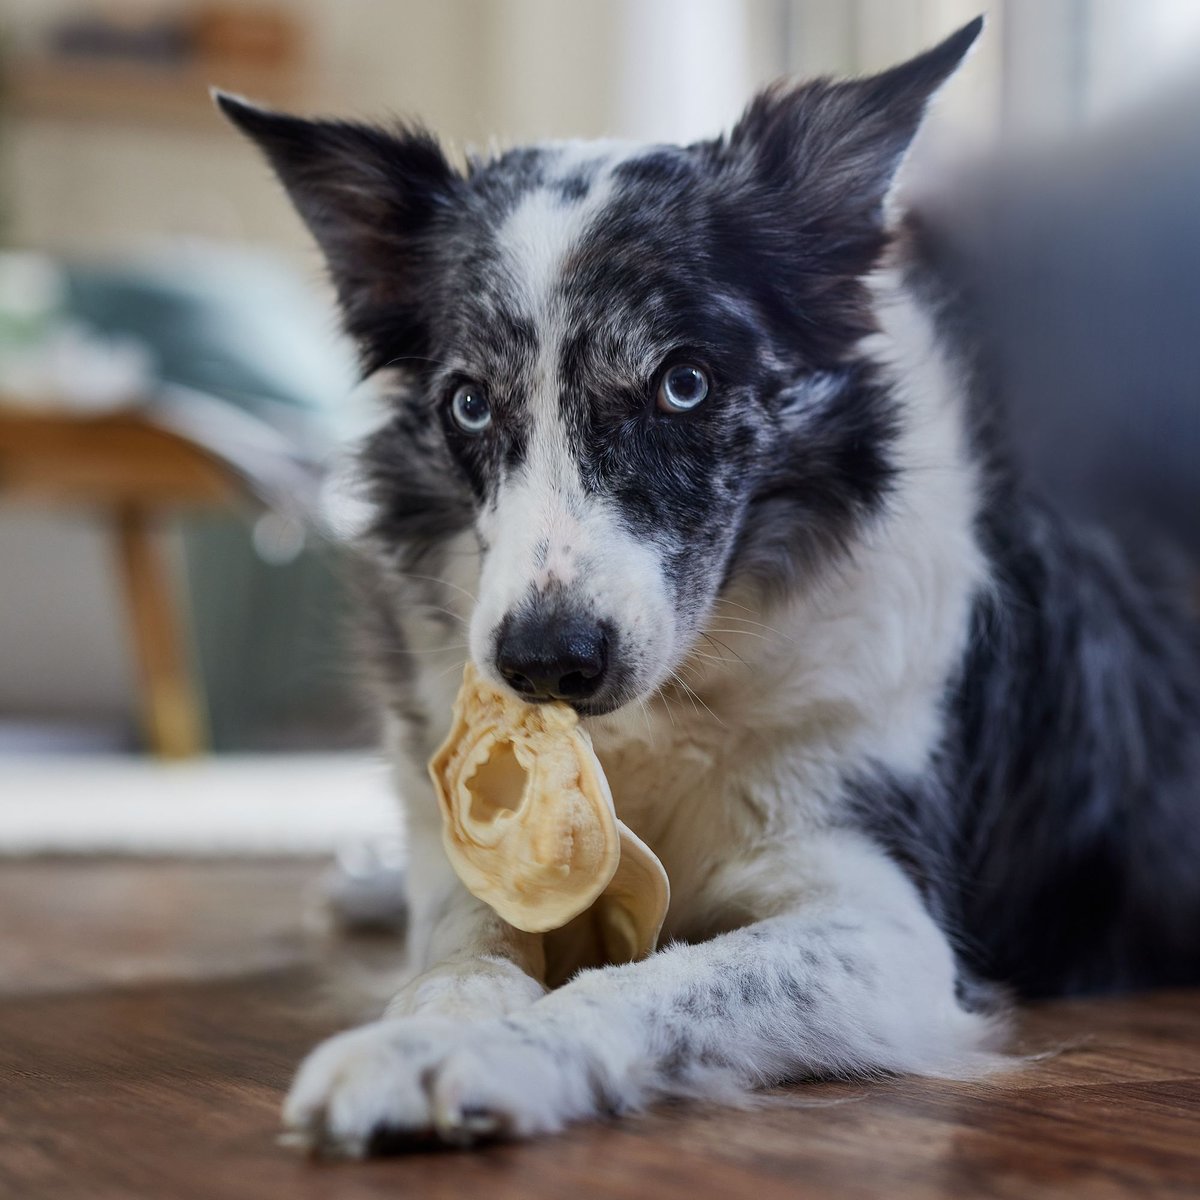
412, 1081
354, 1087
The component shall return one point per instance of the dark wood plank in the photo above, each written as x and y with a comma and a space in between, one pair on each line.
152, 1015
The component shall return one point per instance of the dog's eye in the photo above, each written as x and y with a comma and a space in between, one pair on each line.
470, 409
682, 387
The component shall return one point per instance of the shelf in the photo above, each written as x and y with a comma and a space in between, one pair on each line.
172, 96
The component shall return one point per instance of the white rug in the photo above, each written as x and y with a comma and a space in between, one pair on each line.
228, 805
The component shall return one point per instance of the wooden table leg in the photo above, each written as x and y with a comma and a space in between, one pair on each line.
171, 713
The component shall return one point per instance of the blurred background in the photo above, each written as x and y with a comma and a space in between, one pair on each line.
174, 674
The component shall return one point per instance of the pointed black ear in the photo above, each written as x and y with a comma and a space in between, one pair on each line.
373, 199
844, 141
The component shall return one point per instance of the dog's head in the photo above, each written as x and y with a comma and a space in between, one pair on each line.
630, 369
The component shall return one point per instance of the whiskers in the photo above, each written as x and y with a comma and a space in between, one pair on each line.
438, 580
402, 361
678, 680
456, 665
428, 605
743, 625
722, 648
644, 705
437, 608
456, 647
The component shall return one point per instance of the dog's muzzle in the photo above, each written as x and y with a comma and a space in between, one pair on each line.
553, 654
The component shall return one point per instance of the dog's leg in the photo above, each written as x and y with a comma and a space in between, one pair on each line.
481, 967
851, 976
477, 968
472, 965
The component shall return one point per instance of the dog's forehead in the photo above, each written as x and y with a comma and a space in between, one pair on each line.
547, 217
546, 202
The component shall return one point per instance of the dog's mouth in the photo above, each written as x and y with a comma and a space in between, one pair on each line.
629, 691
602, 708
616, 695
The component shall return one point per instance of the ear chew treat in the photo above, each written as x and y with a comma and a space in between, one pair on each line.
529, 825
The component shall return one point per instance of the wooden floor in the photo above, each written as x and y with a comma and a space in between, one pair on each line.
150, 1017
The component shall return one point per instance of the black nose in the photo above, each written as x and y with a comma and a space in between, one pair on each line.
552, 657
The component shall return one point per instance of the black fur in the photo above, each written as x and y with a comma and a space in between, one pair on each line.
1057, 835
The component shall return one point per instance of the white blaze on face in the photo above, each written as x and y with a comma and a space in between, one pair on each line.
544, 531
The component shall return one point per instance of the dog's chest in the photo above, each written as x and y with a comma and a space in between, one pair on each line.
657, 787
687, 789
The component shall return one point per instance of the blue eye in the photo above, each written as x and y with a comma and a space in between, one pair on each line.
470, 409
682, 388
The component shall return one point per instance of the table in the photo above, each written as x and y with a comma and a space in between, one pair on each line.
137, 473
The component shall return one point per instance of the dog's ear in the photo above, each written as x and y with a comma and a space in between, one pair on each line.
372, 199
841, 143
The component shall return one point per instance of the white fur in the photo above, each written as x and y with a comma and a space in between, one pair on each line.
863, 982
540, 232
736, 788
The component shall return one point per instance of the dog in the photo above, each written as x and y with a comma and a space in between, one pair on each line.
693, 439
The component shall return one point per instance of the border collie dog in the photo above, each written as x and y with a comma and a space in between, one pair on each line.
691, 438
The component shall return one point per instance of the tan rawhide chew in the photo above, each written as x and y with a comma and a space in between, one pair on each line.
530, 828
